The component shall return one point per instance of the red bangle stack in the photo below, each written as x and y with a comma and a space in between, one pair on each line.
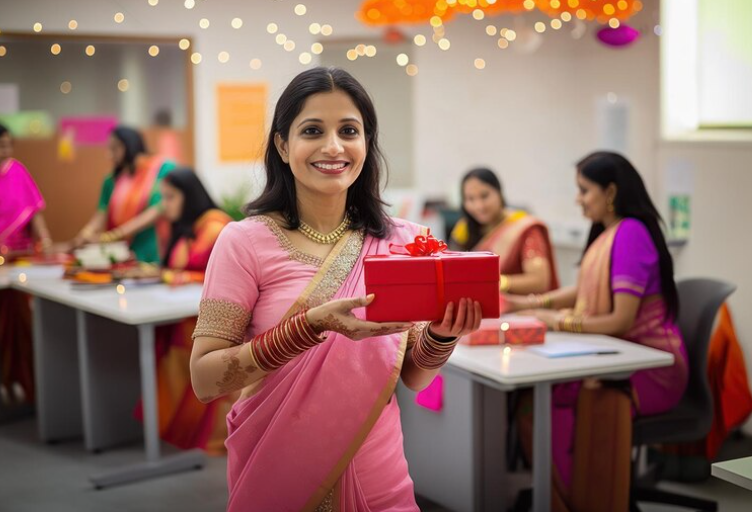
431, 354
283, 343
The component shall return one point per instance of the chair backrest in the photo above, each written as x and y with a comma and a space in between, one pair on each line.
699, 302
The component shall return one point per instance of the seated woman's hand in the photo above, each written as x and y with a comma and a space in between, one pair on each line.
514, 303
467, 320
337, 316
551, 318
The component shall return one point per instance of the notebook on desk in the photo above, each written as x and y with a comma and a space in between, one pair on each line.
571, 349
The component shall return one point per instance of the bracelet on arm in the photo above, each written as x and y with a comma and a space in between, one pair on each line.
430, 353
571, 323
283, 343
543, 301
503, 283
112, 235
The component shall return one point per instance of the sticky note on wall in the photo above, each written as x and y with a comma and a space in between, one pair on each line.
241, 121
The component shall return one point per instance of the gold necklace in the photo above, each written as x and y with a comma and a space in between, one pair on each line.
321, 238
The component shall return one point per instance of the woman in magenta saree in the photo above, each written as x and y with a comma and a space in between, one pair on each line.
317, 425
21, 204
625, 289
21, 223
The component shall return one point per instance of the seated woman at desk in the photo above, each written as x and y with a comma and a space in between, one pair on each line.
21, 223
626, 289
521, 240
196, 223
129, 205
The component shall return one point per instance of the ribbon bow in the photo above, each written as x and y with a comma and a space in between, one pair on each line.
422, 246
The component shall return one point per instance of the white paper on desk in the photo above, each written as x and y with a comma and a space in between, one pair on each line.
570, 349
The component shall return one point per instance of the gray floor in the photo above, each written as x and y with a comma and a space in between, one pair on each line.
37, 477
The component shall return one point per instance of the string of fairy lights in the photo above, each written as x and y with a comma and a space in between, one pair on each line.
393, 15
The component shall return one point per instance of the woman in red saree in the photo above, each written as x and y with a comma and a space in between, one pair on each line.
196, 223
129, 204
317, 425
626, 289
527, 262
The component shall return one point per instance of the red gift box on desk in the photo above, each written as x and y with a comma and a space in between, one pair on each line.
508, 330
418, 286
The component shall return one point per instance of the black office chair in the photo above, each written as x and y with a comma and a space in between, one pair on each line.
690, 421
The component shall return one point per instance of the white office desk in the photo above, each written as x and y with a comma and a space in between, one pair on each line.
454, 455
86, 365
736, 471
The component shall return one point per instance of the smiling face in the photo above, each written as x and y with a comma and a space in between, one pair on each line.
326, 146
482, 201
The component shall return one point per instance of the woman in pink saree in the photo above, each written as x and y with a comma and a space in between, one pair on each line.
317, 426
525, 252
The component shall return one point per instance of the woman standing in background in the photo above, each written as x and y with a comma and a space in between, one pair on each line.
129, 204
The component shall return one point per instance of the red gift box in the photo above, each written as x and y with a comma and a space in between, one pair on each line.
508, 330
418, 288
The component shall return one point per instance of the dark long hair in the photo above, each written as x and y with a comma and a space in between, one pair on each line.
474, 228
196, 201
3, 130
364, 205
134, 146
632, 201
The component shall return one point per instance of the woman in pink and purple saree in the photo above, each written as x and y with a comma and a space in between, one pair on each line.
317, 426
626, 289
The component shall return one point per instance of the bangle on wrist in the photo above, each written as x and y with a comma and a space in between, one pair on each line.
503, 283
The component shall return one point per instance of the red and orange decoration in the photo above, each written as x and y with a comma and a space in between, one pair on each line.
413, 12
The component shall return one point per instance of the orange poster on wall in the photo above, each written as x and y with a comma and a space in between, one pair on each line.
241, 115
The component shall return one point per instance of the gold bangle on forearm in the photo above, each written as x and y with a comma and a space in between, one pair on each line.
112, 235
571, 323
503, 283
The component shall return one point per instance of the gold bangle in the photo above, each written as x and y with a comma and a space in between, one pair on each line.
567, 323
503, 283
546, 301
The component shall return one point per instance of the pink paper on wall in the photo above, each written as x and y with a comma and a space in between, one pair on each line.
432, 398
89, 130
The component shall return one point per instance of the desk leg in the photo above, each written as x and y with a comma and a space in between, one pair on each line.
542, 448
110, 387
56, 371
155, 465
